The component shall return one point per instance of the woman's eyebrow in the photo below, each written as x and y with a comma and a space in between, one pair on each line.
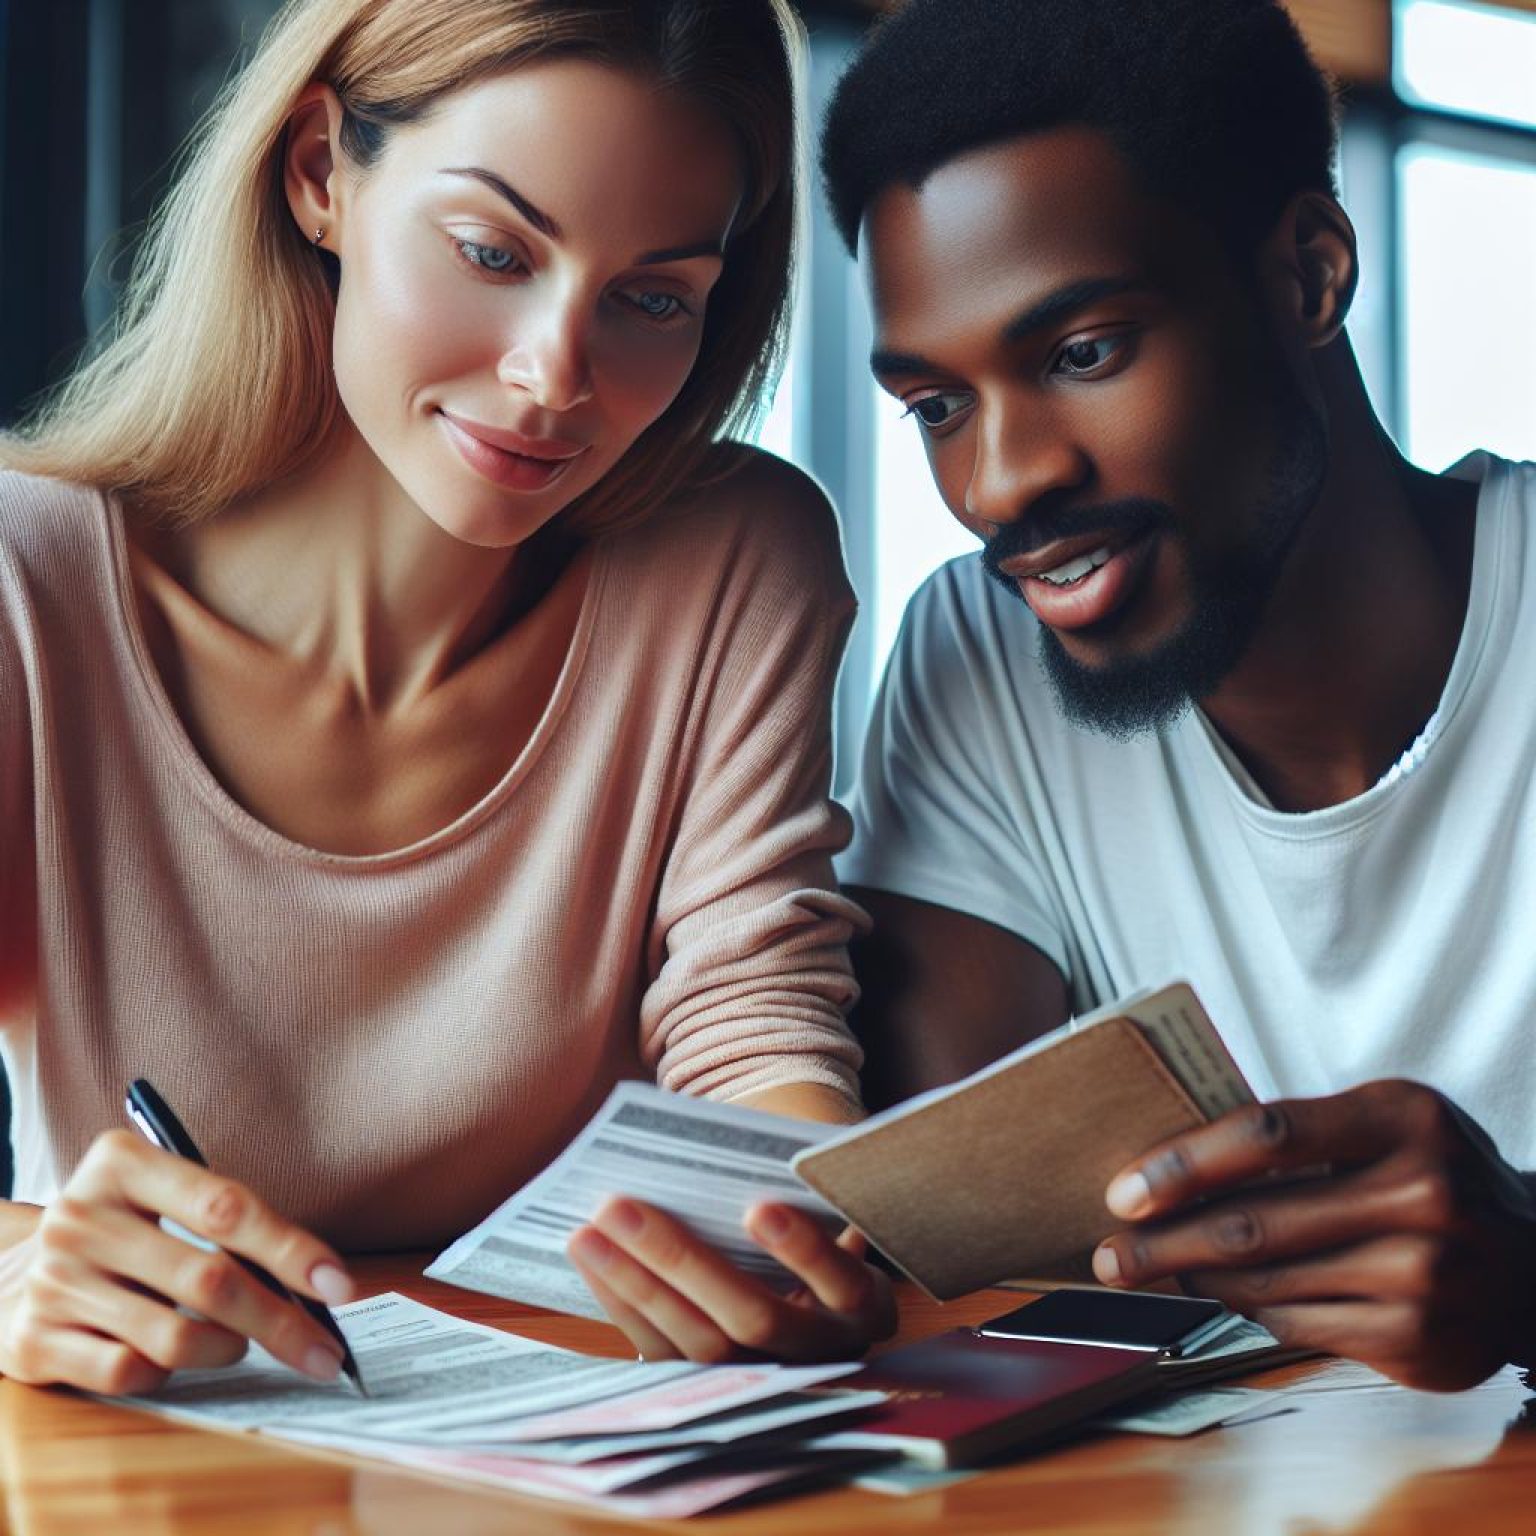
681, 253
545, 225
540, 220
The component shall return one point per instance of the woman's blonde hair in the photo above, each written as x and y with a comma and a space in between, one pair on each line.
216, 378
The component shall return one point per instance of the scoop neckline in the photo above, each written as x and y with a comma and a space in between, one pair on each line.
1484, 592
173, 731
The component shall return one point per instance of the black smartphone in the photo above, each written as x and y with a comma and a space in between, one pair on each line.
1125, 1319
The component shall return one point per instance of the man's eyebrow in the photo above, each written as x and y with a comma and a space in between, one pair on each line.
1050, 310
540, 220
1057, 306
893, 365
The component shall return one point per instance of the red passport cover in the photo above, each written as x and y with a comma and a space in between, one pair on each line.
958, 1398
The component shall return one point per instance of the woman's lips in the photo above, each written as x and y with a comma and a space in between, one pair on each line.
1097, 595
502, 465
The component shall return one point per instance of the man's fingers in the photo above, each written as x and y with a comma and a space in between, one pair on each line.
1287, 1136
1396, 1269
1388, 1336
643, 1294
1259, 1228
124, 1169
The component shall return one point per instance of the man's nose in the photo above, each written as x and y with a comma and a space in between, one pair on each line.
1023, 455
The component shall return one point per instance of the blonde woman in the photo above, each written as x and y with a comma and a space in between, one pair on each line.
412, 720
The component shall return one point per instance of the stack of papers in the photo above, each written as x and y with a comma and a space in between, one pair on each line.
661, 1440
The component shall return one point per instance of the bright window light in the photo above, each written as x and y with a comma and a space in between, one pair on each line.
1469, 321
914, 531
1467, 58
776, 432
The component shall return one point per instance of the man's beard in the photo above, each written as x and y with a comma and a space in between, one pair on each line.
1229, 589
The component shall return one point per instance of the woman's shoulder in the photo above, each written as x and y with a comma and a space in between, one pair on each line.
46, 524
746, 514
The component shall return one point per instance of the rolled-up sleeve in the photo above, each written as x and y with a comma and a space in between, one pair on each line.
749, 939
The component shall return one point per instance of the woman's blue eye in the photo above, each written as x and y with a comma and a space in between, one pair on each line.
491, 257
657, 306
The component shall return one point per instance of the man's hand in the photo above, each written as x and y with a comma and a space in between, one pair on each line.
1415, 1251
676, 1296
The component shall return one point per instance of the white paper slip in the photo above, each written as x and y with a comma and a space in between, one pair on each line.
904, 1479
595, 1479
710, 1390
426, 1371
1190, 1412
1242, 1336
671, 1496
703, 1162
797, 1412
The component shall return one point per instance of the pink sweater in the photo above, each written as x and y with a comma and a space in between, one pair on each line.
387, 1046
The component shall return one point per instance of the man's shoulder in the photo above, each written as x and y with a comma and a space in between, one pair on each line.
964, 628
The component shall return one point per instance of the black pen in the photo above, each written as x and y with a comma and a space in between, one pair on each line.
152, 1115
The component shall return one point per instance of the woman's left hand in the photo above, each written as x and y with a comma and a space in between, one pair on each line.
678, 1297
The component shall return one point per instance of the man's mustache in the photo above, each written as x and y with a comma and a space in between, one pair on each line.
1050, 524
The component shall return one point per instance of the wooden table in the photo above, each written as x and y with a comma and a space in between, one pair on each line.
1348, 1461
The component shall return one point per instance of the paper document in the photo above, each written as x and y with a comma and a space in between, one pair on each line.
462, 1399
425, 1371
703, 1162
1190, 1412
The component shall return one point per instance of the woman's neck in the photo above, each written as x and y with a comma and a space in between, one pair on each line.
340, 570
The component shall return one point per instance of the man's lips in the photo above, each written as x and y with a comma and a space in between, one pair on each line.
1060, 552
1094, 597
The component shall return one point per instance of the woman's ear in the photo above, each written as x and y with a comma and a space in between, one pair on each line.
1312, 267
310, 161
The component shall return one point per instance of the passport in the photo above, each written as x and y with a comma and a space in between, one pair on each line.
959, 1398
1001, 1176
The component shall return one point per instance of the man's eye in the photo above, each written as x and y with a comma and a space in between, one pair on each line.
489, 257
935, 411
1088, 355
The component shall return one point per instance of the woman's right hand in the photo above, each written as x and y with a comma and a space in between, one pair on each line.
90, 1298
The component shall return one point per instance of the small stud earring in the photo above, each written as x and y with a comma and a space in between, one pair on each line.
320, 236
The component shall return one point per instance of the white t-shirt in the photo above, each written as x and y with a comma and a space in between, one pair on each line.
1391, 935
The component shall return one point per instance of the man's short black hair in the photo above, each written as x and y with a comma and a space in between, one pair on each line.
1215, 102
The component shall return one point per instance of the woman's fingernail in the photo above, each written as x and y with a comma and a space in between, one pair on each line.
330, 1284
771, 1222
1106, 1266
322, 1364
1129, 1195
593, 1248
622, 1216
